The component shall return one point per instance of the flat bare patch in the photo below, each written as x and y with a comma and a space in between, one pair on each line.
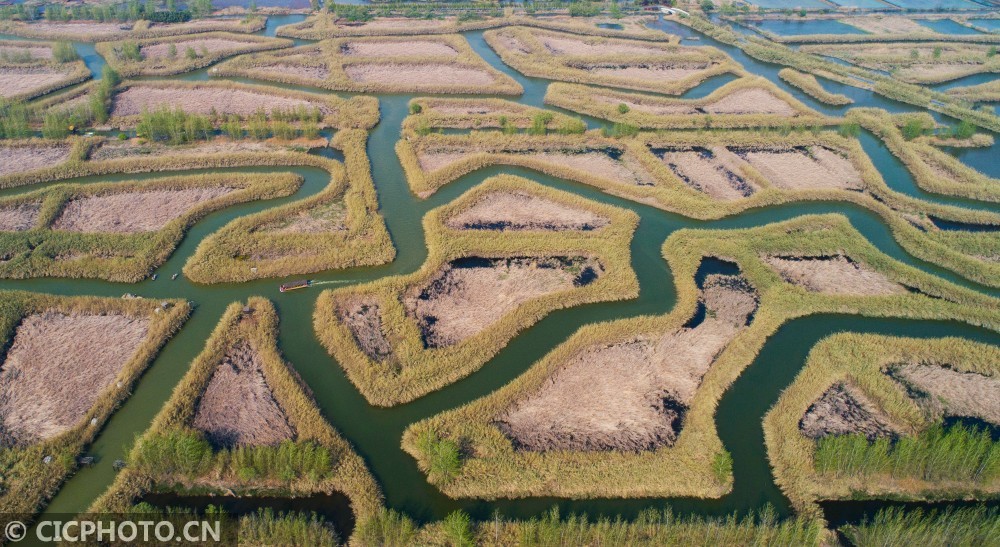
434, 160
97, 29
660, 73
579, 46
326, 218
512, 43
202, 100
750, 101
652, 108
887, 25
36, 52
833, 275
406, 23
57, 367
468, 295
937, 72
631, 396
522, 211
714, 171
418, 76
27, 80
953, 392
318, 73
19, 218
211, 45
625, 170
844, 410
238, 407
811, 168
363, 318
392, 48
110, 150
132, 212
20, 159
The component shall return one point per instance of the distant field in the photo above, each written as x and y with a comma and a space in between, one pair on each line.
790, 4
863, 4
936, 4
795, 28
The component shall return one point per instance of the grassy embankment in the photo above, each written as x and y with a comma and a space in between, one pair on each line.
29, 481
174, 455
87, 31
126, 255
181, 53
338, 228
811, 86
988, 92
490, 466
768, 51
922, 469
332, 65
629, 64
323, 26
907, 217
412, 369
655, 112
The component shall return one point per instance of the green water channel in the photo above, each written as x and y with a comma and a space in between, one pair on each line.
376, 432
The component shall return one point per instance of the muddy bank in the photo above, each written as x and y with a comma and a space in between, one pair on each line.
363, 318
632, 395
837, 274
804, 168
944, 391
57, 367
842, 410
523, 211
469, 294
132, 212
237, 407
714, 171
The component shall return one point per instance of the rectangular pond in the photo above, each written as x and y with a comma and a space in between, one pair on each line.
936, 4
991, 24
795, 28
947, 26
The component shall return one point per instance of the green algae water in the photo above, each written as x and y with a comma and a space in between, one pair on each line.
376, 432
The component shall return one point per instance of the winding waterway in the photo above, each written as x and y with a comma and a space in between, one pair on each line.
376, 432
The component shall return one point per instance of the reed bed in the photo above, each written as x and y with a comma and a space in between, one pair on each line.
23, 81
896, 527
257, 246
745, 103
20, 156
929, 63
29, 482
433, 160
330, 65
323, 26
184, 53
492, 467
811, 86
412, 368
668, 68
473, 113
807, 470
245, 101
109, 241
986, 92
91, 31
173, 454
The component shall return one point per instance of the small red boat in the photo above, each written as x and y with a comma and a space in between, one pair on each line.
301, 284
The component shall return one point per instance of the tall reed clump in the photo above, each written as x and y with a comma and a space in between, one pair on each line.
45, 250
29, 480
924, 460
492, 466
350, 231
644, 111
412, 368
898, 527
172, 452
956, 453
811, 86
267, 527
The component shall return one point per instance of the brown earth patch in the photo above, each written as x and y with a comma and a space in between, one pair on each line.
434, 160
418, 76
363, 318
25, 80
631, 396
805, 168
19, 218
211, 45
97, 29
750, 101
523, 211
512, 43
844, 410
19, 159
202, 100
577, 46
110, 150
463, 110
836, 274
238, 407
132, 212
391, 48
887, 25
57, 367
326, 218
658, 109
715, 171
944, 390
936, 72
318, 73
648, 71
469, 294
36, 52
625, 170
